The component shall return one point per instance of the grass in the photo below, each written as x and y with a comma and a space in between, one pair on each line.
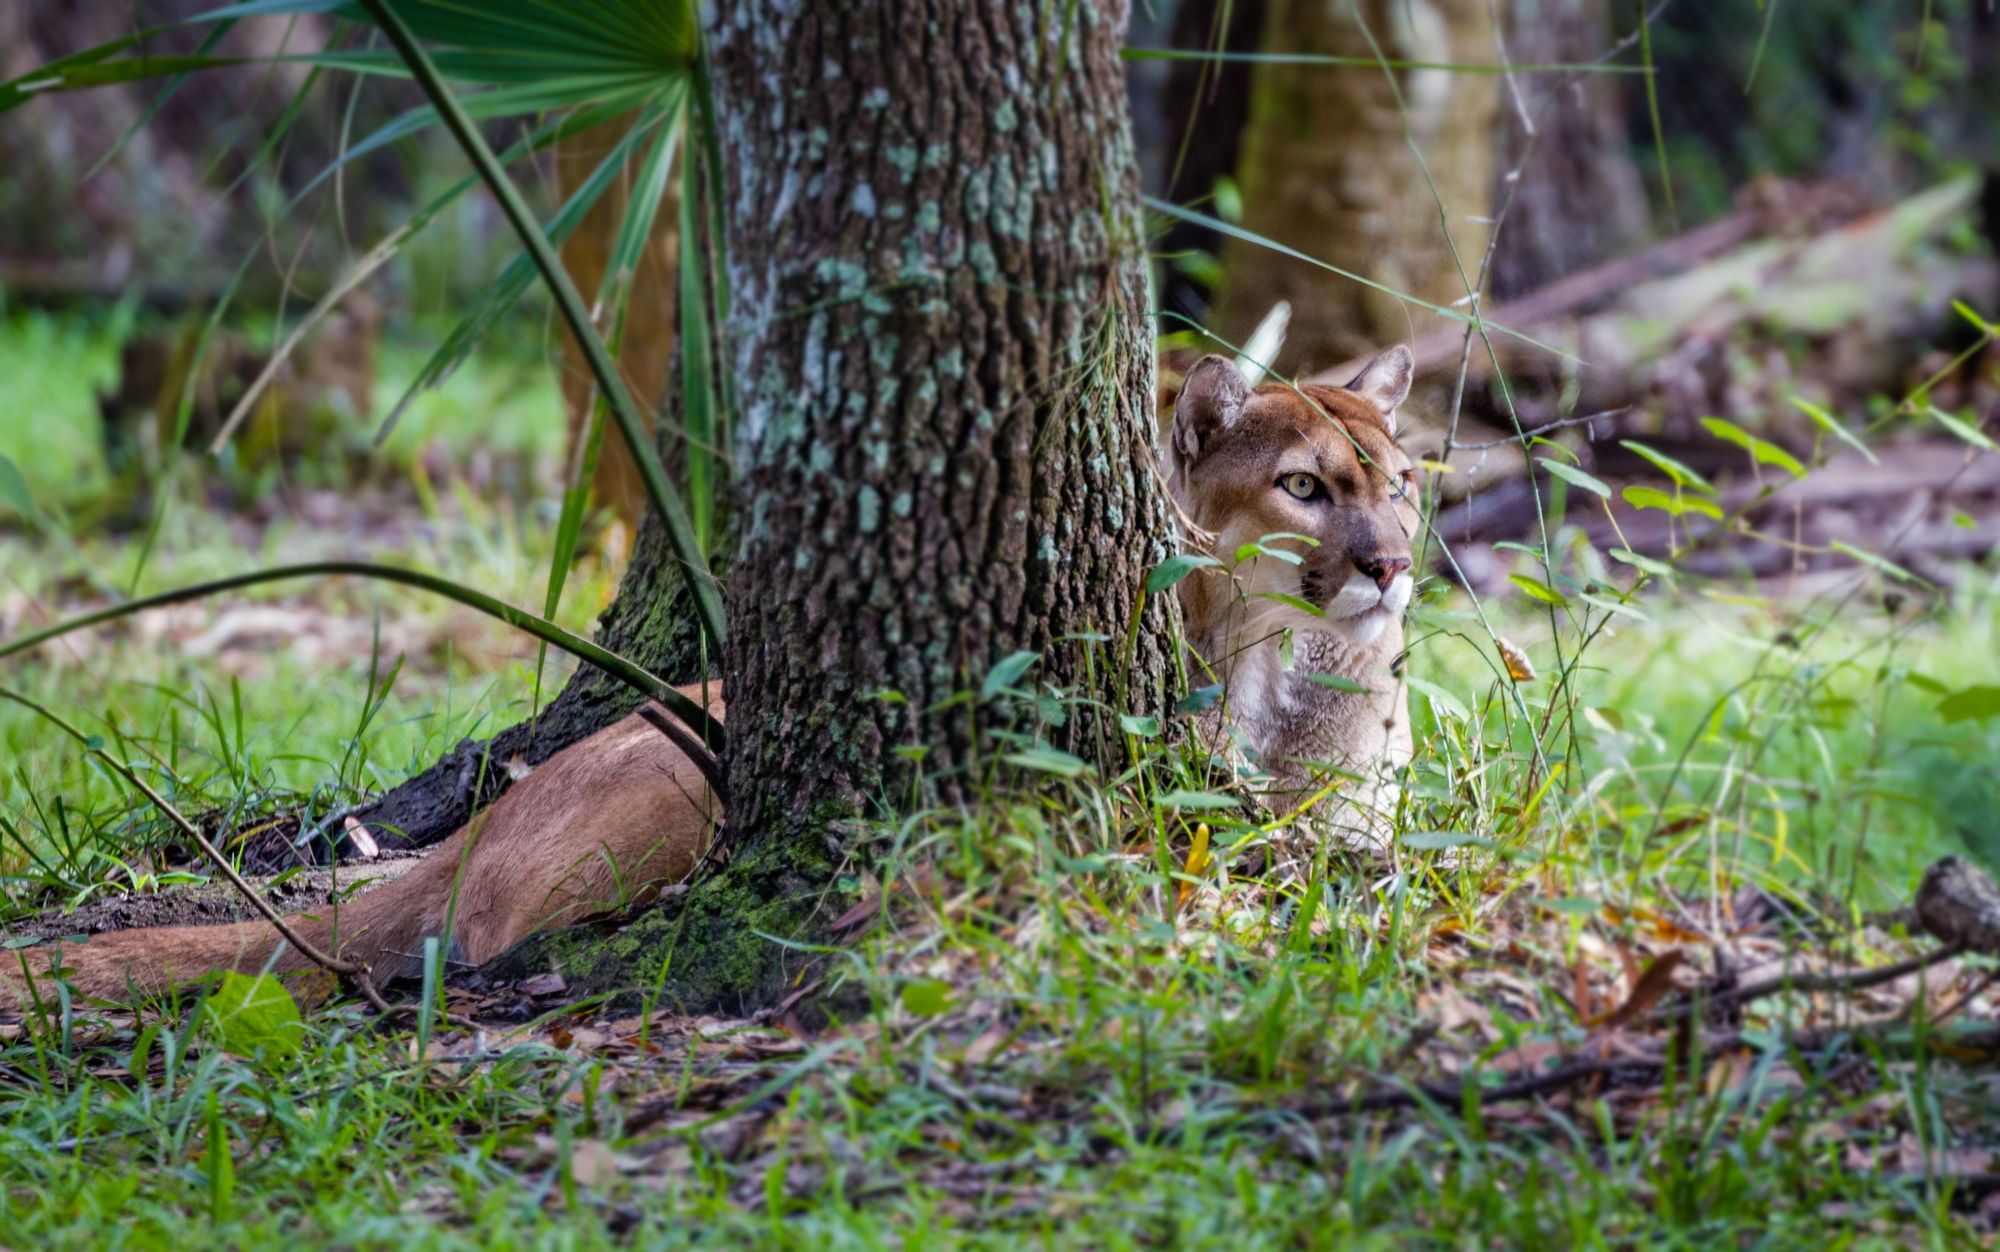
1057, 1029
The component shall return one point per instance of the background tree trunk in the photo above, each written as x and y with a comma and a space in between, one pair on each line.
1579, 199
1327, 169
1204, 105
649, 314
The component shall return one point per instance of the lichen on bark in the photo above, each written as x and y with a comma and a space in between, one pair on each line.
942, 341
941, 331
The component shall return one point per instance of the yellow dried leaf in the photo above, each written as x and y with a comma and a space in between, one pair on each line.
1518, 666
1197, 860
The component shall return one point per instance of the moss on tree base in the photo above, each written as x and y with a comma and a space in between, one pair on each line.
713, 947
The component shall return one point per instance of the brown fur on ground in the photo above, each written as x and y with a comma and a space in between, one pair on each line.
617, 813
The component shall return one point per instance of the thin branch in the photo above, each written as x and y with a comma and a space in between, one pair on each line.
1629, 1071
1515, 440
627, 671
1846, 980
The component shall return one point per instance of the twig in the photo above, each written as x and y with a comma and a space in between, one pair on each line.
1625, 1072
1530, 434
1847, 980
690, 747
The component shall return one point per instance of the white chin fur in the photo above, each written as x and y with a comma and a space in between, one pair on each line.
1360, 611
1363, 630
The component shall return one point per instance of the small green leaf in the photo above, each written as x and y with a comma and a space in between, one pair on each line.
1831, 425
1613, 606
1538, 589
1196, 800
1576, 477
1965, 311
254, 1016
1970, 704
1443, 703
1963, 429
1175, 568
1659, 569
1681, 474
1654, 498
1879, 563
1334, 682
926, 997
1577, 905
1005, 673
1143, 727
14, 488
1200, 698
1438, 840
1293, 602
1048, 760
1762, 450
1258, 548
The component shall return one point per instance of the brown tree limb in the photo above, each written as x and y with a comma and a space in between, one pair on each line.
1626, 1071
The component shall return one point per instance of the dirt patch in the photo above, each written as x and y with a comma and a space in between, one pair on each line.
215, 903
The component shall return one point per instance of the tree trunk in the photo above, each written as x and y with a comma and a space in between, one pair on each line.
1206, 104
649, 310
1327, 170
1579, 199
941, 336
941, 328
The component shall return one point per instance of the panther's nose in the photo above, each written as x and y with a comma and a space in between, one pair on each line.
1383, 569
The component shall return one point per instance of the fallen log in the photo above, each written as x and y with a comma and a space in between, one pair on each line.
1881, 280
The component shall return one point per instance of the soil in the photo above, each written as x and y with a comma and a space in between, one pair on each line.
215, 903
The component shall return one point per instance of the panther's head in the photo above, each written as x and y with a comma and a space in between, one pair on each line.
1267, 464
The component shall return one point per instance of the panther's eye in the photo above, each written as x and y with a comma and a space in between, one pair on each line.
1406, 485
1303, 486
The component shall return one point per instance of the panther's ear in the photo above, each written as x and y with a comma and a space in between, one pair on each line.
1385, 381
1212, 398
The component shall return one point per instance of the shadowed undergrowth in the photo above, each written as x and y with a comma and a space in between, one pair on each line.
1050, 1015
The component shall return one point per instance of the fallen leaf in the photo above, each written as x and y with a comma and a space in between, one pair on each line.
543, 985
592, 1163
1654, 982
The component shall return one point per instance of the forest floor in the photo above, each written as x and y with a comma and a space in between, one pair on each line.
1067, 1024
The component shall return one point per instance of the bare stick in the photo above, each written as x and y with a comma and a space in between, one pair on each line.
1846, 980
1624, 1072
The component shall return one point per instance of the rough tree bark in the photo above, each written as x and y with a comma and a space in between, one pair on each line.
942, 336
651, 620
942, 344
1327, 170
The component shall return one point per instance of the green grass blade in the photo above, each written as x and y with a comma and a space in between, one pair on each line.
512, 283
625, 670
614, 293
1249, 236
